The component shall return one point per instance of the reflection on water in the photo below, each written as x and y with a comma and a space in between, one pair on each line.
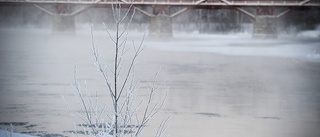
226, 86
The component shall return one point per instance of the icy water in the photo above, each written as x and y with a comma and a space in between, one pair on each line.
219, 85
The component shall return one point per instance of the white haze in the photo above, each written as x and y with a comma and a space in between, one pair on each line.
304, 46
51, 58
5, 133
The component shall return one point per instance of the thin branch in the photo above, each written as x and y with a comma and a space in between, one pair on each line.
96, 55
82, 99
127, 27
137, 52
162, 127
105, 26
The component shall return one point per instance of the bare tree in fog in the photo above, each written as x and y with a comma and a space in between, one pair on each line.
124, 116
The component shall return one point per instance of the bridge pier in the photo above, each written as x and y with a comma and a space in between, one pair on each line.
63, 21
265, 23
63, 16
160, 26
265, 27
160, 22
63, 24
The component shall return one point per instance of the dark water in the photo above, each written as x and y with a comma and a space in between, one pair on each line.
226, 86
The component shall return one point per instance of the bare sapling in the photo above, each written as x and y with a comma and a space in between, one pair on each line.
120, 113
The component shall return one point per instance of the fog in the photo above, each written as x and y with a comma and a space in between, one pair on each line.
299, 47
221, 83
200, 20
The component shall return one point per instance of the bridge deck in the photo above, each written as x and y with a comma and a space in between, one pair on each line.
299, 3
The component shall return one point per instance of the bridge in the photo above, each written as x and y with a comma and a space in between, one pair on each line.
178, 2
264, 13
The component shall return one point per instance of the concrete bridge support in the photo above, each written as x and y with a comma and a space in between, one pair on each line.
265, 27
265, 23
63, 23
160, 22
160, 26
62, 16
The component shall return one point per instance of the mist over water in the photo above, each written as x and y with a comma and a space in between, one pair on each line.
301, 47
225, 84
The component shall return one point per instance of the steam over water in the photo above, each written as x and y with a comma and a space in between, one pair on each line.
219, 85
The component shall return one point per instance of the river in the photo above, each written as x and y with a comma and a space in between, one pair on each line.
217, 85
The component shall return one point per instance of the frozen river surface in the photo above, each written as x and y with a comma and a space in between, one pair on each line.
219, 85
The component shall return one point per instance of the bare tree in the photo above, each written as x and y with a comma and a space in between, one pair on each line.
125, 116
